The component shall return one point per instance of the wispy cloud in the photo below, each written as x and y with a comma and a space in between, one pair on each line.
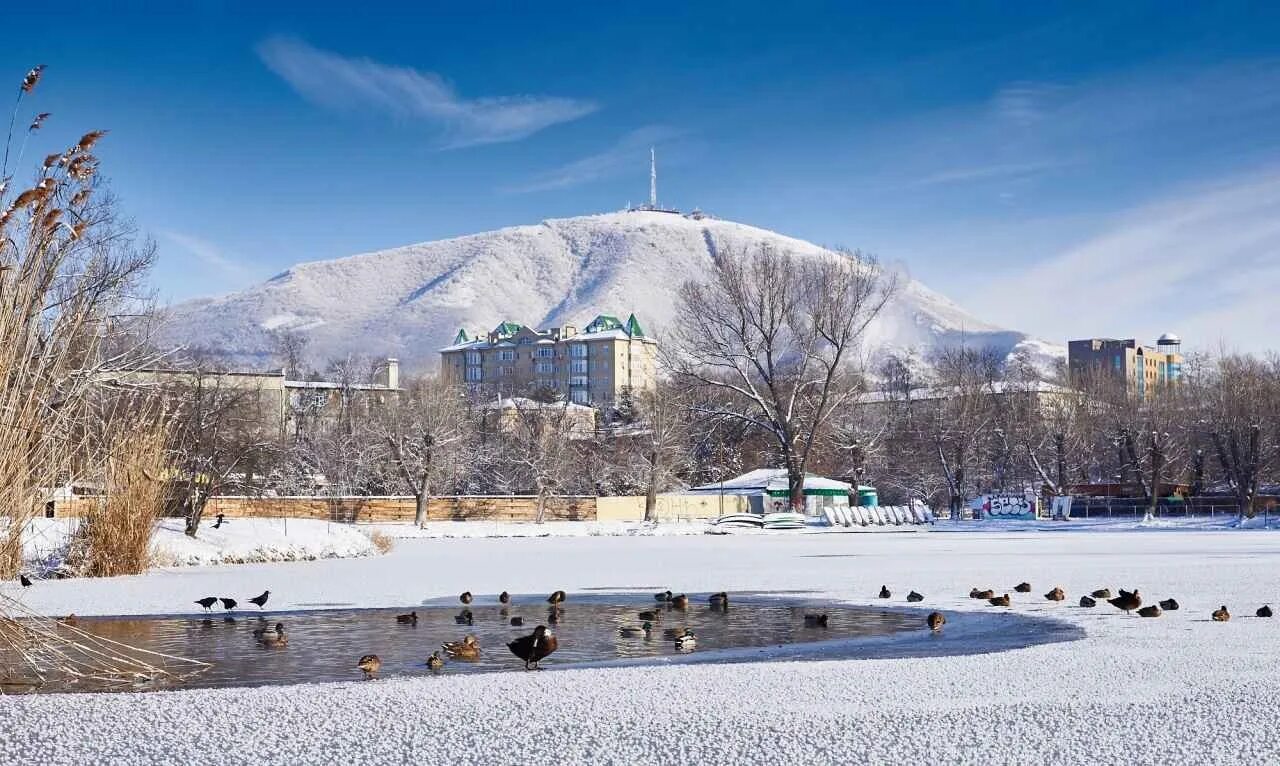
340, 82
210, 254
997, 171
629, 151
1201, 264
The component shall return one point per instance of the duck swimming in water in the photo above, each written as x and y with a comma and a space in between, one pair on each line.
435, 661
370, 664
465, 597
663, 597
680, 602
534, 647
407, 619
631, 631
556, 598
936, 620
273, 638
719, 600
466, 649
815, 620
687, 641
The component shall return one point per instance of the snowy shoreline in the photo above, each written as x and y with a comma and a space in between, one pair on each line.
1132, 690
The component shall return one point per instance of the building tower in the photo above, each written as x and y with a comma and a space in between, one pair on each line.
653, 179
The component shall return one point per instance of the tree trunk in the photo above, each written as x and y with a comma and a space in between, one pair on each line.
651, 493
420, 509
1157, 465
1060, 452
195, 513
542, 504
795, 490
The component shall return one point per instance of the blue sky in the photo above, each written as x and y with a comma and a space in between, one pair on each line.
1010, 155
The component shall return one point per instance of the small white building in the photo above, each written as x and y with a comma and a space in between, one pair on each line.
767, 491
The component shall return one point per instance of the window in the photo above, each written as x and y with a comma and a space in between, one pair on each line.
578, 366
475, 374
506, 370
473, 357
545, 368
578, 351
546, 352
506, 356
525, 341
578, 380
580, 396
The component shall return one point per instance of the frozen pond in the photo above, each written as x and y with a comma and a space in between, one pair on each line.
325, 645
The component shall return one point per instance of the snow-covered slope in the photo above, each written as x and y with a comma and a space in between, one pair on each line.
408, 302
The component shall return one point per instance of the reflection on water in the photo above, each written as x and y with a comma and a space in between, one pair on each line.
325, 645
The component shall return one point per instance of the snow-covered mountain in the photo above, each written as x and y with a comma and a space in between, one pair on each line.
410, 301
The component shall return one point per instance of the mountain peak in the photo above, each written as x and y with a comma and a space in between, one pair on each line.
410, 301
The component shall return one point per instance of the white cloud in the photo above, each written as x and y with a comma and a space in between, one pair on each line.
340, 82
1203, 264
211, 255
629, 151
998, 171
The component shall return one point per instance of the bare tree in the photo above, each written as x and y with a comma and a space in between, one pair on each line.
660, 443
778, 335
422, 430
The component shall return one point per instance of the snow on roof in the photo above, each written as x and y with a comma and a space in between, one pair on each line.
524, 403
766, 479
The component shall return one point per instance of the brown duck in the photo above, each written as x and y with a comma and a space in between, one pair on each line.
914, 597
719, 600
1169, 605
465, 597
1149, 611
534, 647
435, 661
1057, 594
1126, 601
556, 598
370, 664
999, 600
504, 598
815, 620
1086, 601
680, 602
466, 649
1103, 593
936, 620
1221, 615
987, 594
1023, 587
407, 619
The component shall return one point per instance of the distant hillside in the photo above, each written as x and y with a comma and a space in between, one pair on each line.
409, 301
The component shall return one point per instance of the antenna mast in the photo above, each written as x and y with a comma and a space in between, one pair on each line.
653, 179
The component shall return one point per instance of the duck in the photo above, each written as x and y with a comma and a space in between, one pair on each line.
465, 617
987, 594
1102, 593
1169, 605
407, 619
370, 664
650, 615
1023, 587
504, 598
273, 638
815, 620
719, 600
534, 647
884, 592
465, 597
1126, 601
973, 592
913, 596
466, 649
1087, 601
435, 661
680, 602
1263, 611
1221, 614
687, 641
999, 600
936, 620
1149, 611
631, 631
517, 621
663, 597
556, 597
1057, 594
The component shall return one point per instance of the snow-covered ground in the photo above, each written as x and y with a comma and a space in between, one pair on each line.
474, 529
1178, 689
237, 541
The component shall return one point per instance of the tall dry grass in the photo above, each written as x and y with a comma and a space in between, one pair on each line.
114, 536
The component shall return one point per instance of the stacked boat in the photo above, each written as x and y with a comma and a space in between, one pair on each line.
762, 521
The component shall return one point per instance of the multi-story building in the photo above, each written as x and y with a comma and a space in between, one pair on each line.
593, 367
280, 404
1139, 367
